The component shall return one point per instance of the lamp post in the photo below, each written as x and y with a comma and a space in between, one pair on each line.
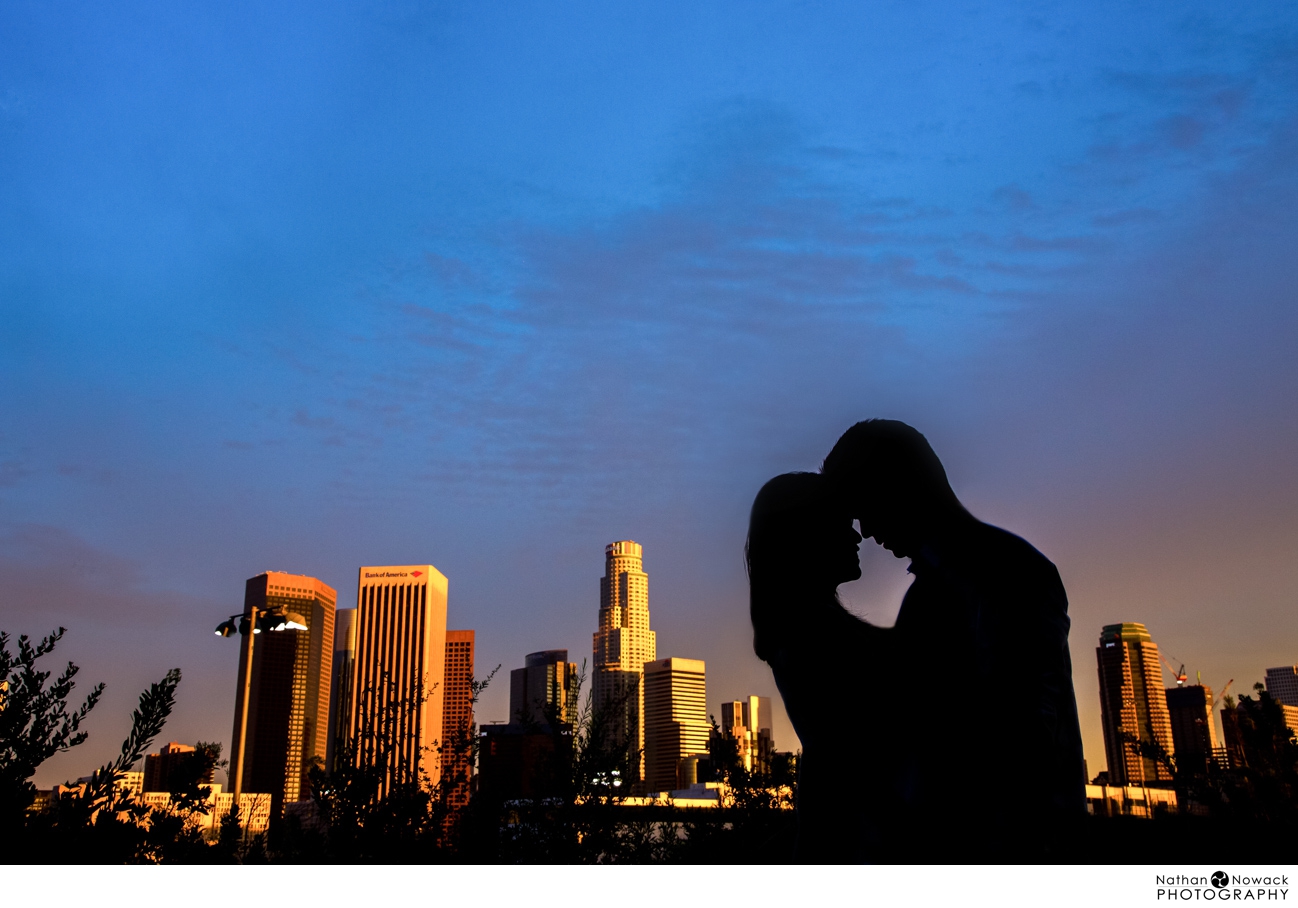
256, 620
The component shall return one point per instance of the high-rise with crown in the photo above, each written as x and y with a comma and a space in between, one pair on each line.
288, 688
400, 667
623, 644
1133, 704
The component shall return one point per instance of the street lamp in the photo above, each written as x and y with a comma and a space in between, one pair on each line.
271, 618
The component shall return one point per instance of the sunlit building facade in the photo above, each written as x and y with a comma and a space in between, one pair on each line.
1133, 704
675, 719
400, 666
623, 644
748, 723
288, 702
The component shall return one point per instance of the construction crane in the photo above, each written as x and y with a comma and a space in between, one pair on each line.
1221, 696
1177, 673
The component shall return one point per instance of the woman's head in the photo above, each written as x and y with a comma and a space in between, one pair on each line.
798, 530
801, 546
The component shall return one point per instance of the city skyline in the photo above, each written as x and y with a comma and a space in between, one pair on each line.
1139, 673
368, 286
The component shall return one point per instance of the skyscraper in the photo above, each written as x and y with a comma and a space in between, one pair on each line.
544, 688
457, 714
1194, 734
1282, 684
748, 723
675, 718
1133, 703
623, 644
340, 698
397, 704
288, 703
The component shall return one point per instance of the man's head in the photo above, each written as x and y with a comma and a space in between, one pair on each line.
893, 482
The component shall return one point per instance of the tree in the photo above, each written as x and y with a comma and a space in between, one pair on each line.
375, 807
35, 722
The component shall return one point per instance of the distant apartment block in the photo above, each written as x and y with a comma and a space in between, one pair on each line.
165, 770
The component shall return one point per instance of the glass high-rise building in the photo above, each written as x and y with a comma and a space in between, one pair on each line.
400, 668
1282, 684
544, 689
1133, 704
622, 645
675, 719
288, 691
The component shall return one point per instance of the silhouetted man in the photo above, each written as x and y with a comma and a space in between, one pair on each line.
987, 733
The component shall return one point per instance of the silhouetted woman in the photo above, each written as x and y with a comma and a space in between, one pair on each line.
829, 666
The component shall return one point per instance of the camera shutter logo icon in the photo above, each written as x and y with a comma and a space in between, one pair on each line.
1220, 879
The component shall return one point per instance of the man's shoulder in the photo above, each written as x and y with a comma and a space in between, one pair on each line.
1003, 553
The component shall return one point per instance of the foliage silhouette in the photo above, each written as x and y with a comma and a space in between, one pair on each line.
35, 722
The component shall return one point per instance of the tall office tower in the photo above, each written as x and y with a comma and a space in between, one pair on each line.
340, 697
457, 714
1282, 684
675, 719
545, 688
397, 704
748, 723
1133, 703
288, 703
623, 644
1194, 735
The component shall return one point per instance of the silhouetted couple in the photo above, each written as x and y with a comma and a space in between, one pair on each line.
951, 736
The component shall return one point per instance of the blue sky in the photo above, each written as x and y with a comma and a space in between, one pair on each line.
305, 287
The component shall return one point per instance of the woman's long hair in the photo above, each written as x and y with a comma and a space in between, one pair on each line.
782, 558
